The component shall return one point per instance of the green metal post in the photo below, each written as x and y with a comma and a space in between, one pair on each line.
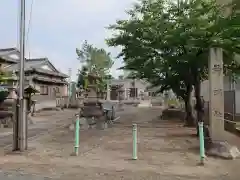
201, 140
134, 129
77, 128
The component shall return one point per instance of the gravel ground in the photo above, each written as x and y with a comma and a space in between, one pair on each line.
43, 122
166, 151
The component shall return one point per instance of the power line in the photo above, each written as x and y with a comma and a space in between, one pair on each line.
29, 27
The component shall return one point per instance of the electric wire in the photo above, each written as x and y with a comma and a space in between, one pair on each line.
29, 27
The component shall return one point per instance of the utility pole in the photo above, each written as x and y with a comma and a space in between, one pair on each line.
21, 124
69, 81
69, 87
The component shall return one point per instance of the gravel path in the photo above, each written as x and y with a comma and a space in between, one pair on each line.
166, 151
44, 122
18, 176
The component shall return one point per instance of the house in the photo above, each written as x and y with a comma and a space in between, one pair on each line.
39, 72
231, 95
132, 89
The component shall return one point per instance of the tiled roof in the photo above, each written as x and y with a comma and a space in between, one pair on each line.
40, 70
35, 65
7, 52
30, 64
49, 80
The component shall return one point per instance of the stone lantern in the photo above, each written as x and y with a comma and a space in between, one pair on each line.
92, 107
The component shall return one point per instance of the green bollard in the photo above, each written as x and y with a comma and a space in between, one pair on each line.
77, 128
201, 140
134, 155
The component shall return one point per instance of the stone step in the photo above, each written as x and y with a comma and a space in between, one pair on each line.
238, 125
145, 104
238, 128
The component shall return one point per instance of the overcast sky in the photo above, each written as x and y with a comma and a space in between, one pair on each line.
59, 26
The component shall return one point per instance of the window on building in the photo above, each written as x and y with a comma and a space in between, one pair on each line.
44, 90
133, 92
57, 90
152, 94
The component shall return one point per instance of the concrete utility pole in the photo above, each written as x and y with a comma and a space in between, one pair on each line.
20, 131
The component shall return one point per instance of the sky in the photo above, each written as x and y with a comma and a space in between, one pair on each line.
58, 27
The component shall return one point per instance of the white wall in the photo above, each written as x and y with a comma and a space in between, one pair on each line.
237, 101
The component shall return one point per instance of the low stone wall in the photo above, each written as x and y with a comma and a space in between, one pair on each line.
173, 114
65, 102
7, 112
229, 123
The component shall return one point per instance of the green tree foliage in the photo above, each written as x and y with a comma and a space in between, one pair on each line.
82, 81
167, 43
96, 61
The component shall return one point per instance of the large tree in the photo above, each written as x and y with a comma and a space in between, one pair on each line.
162, 37
95, 61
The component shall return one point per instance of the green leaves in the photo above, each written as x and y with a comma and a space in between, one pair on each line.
168, 43
96, 61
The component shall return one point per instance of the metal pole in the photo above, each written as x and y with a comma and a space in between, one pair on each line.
77, 128
201, 140
69, 87
22, 119
134, 129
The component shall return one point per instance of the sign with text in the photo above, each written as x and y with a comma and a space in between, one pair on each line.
216, 103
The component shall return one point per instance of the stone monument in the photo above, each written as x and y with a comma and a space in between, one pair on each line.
120, 97
219, 146
216, 104
92, 108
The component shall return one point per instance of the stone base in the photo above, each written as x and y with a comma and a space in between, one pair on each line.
145, 104
71, 127
84, 124
101, 125
120, 107
223, 150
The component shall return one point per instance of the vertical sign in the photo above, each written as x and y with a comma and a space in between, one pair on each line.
69, 82
108, 90
216, 101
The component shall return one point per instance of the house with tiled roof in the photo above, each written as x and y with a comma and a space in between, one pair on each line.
39, 72
132, 88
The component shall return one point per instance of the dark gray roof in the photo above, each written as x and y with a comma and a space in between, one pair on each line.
7, 52
30, 64
7, 49
35, 65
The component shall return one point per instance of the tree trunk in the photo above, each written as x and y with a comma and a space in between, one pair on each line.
199, 102
199, 107
189, 119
